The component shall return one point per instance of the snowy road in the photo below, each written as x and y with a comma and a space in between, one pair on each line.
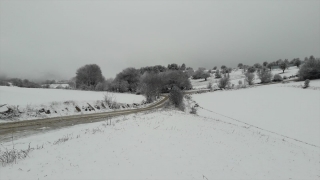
23, 128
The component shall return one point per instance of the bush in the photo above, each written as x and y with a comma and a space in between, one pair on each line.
306, 83
176, 96
193, 110
249, 78
264, 75
99, 87
251, 69
277, 77
200, 74
110, 100
209, 86
224, 82
217, 74
285, 77
310, 69
4, 83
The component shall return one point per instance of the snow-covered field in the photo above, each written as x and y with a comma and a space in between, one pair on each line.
170, 144
294, 112
44, 103
163, 145
27, 96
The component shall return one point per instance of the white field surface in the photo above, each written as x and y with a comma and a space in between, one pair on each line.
162, 145
59, 102
34, 96
286, 109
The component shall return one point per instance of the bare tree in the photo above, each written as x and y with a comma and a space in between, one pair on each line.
249, 78
283, 65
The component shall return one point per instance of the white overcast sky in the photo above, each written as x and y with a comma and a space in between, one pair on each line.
52, 39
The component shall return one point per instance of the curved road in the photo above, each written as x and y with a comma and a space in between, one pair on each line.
23, 128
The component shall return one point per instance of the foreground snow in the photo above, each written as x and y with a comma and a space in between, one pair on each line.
293, 112
163, 145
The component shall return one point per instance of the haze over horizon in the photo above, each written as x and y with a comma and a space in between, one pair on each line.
52, 39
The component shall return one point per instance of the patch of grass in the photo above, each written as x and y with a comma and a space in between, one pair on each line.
9, 156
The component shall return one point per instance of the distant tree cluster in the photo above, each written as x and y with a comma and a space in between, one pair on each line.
310, 69
154, 69
149, 81
152, 84
24, 83
201, 74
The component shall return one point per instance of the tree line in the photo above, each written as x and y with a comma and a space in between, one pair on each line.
149, 81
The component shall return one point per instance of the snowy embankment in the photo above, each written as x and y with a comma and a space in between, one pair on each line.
292, 112
35, 103
162, 145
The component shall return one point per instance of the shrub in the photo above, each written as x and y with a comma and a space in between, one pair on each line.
224, 82
4, 83
199, 74
209, 86
249, 78
176, 96
110, 100
285, 77
59, 87
193, 110
310, 69
99, 87
264, 75
257, 66
306, 83
277, 77
251, 69
217, 74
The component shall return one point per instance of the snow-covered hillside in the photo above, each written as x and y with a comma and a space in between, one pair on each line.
294, 112
162, 145
238, 75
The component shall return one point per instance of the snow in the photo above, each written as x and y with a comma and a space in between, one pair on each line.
293, 112
162, 145
218, 143
58, 85
238, 75
35, 103
35, 96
